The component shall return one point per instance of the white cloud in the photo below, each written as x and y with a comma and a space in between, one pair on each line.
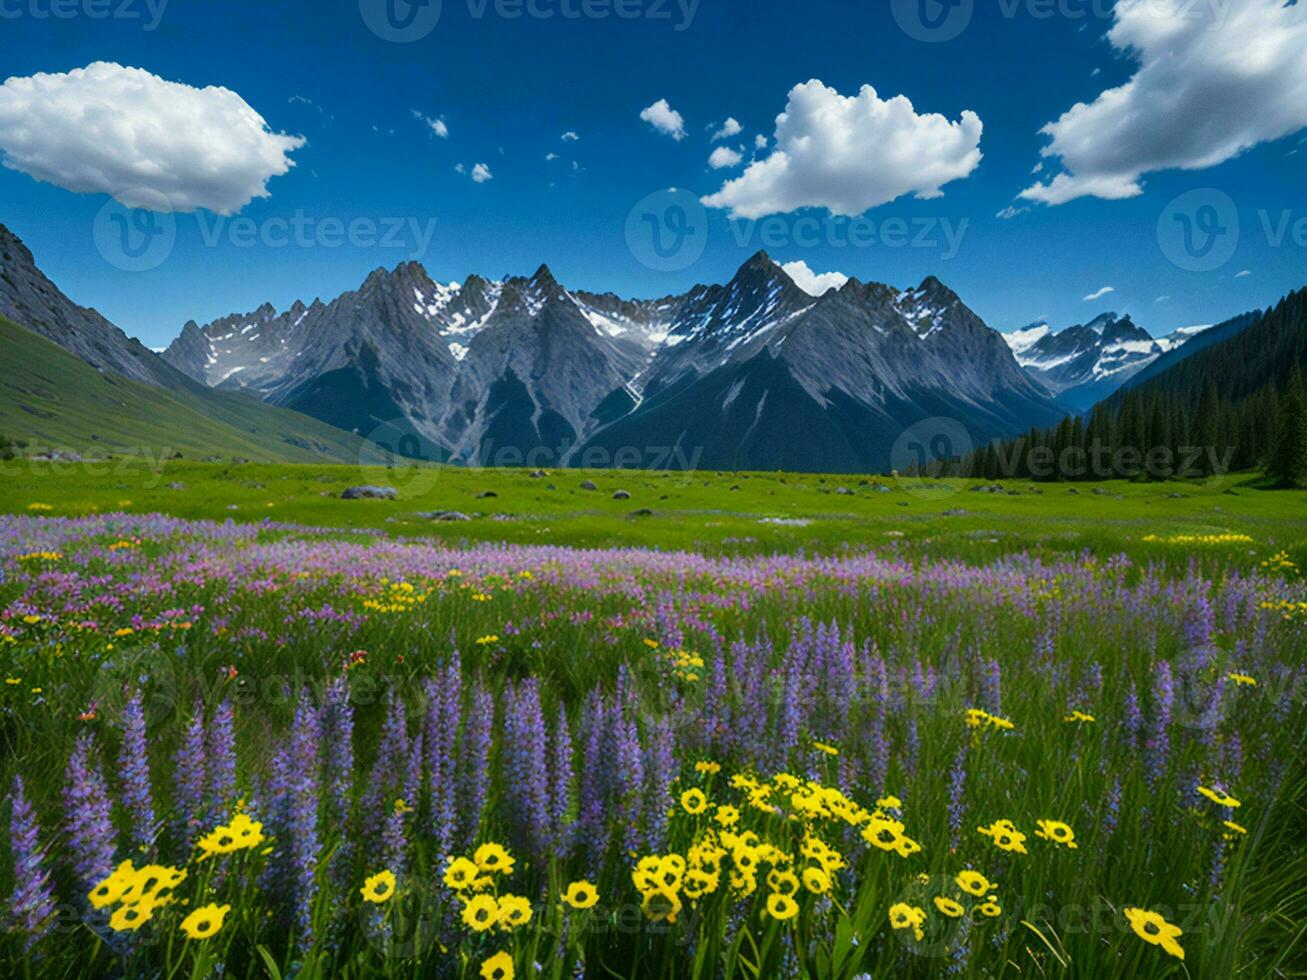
760, 142
569, 137
436, 125
459, 168
1011, 211
662, 117
1162, 299
107, 129
850, 154
729, 128
1100, 294
551, 157
481, 173
724, 156
1244, 274
813, 283
1213, 81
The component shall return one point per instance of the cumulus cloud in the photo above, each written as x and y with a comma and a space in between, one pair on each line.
481, 173
107, 129
729, 128
1213, 80
760, 142
848, 154
662, 117
724, 156
551, 157
1100, 294
813, 283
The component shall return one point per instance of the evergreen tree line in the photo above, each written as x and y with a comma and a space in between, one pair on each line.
1240, 405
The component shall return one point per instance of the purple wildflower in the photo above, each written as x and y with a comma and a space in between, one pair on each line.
134, 775
560, 784
957, 788
189, 779
306, 736
526, 768
1157, 746
474, 779
87, 824
220, 741
31, 903
444, 696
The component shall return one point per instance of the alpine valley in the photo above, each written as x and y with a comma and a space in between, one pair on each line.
753, 374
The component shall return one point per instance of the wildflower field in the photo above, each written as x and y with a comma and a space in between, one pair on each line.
272, 750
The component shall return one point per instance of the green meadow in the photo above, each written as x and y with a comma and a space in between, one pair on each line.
710, 512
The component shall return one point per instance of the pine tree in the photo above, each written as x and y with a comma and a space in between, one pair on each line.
1288, 461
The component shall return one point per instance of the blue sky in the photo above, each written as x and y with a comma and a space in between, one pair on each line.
508, 89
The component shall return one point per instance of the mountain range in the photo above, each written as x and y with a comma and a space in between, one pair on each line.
1083, 364
755, 373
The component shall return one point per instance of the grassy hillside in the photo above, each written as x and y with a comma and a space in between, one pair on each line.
54, 400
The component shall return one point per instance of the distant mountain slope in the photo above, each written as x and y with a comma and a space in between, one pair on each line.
29, 298
1199, 342
54, 399
1251, 357
1086, 363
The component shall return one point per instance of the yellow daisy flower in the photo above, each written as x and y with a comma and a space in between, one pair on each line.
1152, 928
379, 888
204, 921
581, 895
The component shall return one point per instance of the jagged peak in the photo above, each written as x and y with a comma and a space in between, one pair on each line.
543, 277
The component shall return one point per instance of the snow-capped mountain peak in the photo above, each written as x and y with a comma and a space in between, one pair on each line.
1027, 337
1085, 363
